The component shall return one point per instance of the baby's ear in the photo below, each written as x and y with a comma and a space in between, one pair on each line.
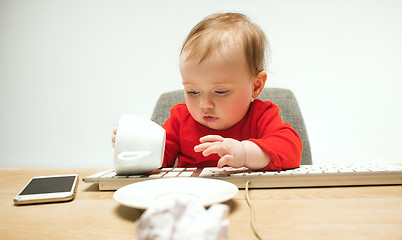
259, 83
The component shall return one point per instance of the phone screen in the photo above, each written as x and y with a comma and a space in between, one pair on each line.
49, 185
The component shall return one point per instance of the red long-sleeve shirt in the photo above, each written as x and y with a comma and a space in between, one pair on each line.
261, 125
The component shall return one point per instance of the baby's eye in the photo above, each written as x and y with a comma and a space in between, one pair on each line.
194, 93
222, 92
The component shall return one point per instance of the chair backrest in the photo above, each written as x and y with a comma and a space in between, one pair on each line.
283, 98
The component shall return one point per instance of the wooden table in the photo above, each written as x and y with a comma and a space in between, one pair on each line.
299, 213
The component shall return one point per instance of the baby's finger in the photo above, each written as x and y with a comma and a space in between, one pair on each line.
115, 129
211, 138
113, 140
225, 160
220, 149
201, 147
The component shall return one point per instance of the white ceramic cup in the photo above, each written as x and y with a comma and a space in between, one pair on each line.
139, 145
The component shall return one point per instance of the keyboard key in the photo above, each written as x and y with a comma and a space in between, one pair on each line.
186, 174
158, 175
166, 169
269, 173
177, 169
135, 176
206, 173
238, 174
171, 174
331, 171
214, 169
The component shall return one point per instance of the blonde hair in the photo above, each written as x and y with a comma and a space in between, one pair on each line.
218, 30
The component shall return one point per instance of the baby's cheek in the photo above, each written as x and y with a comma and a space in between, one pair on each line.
236, 110
193, 109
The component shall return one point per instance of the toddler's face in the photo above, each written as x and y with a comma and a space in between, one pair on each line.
218, 90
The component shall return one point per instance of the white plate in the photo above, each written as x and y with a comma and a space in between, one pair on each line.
144, 194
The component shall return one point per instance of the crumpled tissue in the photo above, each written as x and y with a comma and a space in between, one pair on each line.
183, 219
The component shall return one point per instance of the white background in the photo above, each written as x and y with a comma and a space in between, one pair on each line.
70, 68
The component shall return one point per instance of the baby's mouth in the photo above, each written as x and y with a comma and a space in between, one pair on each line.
209, 119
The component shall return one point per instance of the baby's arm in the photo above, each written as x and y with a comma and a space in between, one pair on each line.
234, 153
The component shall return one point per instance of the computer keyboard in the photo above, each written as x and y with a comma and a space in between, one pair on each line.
304, 176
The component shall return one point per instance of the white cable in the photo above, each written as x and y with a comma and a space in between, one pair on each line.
252, 213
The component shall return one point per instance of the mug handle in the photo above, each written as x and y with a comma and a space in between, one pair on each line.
133, 156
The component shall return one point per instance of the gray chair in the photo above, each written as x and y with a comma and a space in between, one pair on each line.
283, 98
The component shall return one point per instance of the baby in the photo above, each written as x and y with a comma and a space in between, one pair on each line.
222, 124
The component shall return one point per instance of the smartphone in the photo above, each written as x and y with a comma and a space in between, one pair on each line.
44, 189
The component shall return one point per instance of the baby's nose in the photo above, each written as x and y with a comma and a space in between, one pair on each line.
206, 103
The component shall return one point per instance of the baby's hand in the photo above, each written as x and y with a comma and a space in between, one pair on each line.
231, 151
114, 135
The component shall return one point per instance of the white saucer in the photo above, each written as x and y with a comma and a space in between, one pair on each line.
144, 194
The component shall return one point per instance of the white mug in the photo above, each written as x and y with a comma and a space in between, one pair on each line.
139, 145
